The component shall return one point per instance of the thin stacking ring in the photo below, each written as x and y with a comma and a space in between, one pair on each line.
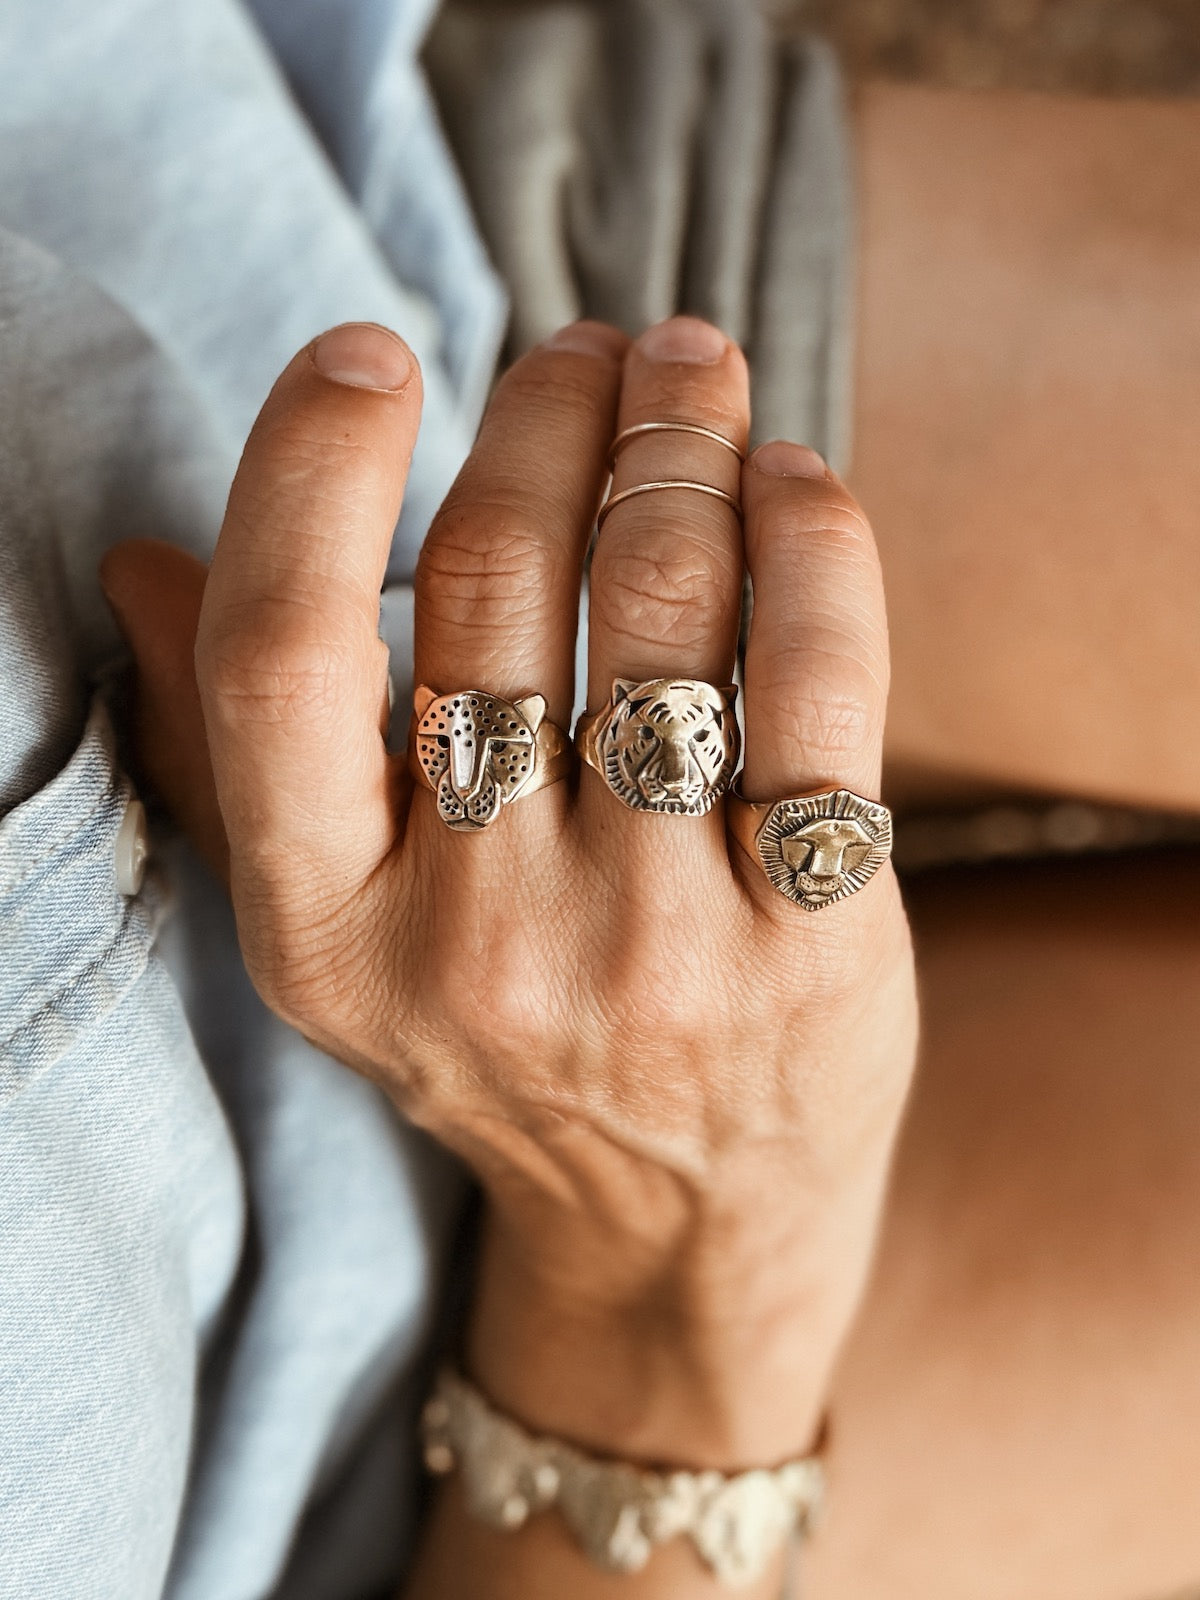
626, 434
614, 500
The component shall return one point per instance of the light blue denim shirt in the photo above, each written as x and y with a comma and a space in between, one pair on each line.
217, 1247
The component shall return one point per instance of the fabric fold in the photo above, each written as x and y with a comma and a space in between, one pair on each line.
631, 159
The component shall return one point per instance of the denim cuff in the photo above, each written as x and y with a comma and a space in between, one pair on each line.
71, 943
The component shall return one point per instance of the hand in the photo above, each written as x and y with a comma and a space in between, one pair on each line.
678, 1090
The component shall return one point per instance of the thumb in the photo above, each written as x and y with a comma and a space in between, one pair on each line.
288, 656
155, 592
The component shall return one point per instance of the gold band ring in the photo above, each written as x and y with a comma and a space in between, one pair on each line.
668, 745
814, 848
614, 500
478, 752
639, 428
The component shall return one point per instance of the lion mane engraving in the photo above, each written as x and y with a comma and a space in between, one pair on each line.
817, 849
670, 744
477, 751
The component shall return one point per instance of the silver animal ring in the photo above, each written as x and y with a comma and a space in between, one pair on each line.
668, 745
478, 752
815, 849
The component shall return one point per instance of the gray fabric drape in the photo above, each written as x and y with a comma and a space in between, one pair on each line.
628, 159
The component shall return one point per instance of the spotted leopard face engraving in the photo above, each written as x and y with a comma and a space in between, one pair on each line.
822, 848
478, 753
669, 744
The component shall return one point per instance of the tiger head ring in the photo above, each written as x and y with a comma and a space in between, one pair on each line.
668, 745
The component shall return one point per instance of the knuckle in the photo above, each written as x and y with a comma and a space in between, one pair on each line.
664, 588
302, 444
710, 396
832, 522
485, 553
665, 1015
544, 391
311, 470
832, 720
834, 729
662, 1016
497, 1015
502, 1020
274, 661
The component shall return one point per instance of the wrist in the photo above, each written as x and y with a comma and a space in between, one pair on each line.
720, 1357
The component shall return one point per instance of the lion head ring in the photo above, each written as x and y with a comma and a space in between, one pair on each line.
478, 752
668, 745
817, 848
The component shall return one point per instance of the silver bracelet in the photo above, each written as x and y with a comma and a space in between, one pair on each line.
616, 1511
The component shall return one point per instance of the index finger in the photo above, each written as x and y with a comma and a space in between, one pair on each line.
288, 658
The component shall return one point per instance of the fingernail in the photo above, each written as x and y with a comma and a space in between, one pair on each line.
784, 460
363, 355
588, 339
683, 339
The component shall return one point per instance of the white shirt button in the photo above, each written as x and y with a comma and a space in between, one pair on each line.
131, 850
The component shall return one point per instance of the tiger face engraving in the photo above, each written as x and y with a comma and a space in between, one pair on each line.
821, 848
669, 744
477, 752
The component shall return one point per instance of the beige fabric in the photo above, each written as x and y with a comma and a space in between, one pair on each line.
628, 159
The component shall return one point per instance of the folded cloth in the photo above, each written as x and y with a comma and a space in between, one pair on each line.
156, 147
218, 1248
630, 159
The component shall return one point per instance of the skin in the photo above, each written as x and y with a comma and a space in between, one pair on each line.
1015, 1403
632, 1276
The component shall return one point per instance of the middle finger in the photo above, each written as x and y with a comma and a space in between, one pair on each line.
666, 577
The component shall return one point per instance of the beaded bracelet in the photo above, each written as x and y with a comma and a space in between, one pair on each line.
617, 1512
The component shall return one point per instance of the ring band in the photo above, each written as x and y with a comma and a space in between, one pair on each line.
668, 745
816, 848
478, 752
626, 434
614, 500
